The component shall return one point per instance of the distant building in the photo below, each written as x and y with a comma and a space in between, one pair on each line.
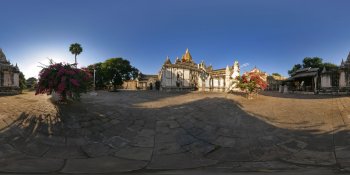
185, 74
147, 82
142, 82
315, 80
9, 75
274, 82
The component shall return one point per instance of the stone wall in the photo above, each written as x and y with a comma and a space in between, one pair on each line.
132, 85
7, 79
342, 79
326, 81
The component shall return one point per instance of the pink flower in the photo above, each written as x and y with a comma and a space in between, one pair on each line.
61, 71
61, 87
74, 82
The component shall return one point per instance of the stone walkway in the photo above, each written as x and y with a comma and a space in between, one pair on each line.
153, 132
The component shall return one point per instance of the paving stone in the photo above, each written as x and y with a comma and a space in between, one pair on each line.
7, 151
96, 149
135, 153
143, 141
102, 165
312, 158
230, 154
76, 141
342, 152
179, 161
35, 149
199, 148
65, 152
34, 165
146, 132
169, 123
225, 141
185, 139
168, 148
117, 142
50, 140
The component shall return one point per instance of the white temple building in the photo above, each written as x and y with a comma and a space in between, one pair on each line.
185, 74
9, 74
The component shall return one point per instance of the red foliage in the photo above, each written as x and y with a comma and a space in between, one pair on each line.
251, 82
63, 79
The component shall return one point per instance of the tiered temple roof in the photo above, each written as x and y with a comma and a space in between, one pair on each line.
346, 63
5, 65
188, 63
185, 62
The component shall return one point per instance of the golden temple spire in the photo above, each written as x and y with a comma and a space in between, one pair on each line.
187, 56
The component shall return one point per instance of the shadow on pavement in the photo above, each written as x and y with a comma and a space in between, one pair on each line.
211, 133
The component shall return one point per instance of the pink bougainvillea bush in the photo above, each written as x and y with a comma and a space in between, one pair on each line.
65, 80
251, 83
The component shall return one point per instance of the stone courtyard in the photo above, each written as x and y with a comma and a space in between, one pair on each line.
158, 132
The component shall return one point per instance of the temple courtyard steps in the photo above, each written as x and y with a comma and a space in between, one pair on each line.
175, 132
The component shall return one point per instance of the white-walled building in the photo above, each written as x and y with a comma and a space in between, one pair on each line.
185, 74
9, 74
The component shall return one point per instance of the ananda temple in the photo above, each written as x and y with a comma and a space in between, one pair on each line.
185, 74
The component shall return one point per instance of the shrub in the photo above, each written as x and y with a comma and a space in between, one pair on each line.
65, 80
251, 83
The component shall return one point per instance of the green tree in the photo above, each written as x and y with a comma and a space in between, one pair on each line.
276, 74
31, 82
134, 73
100, 80
22, 81
117, 70
75, 49
294, 68
314, 62
330, 66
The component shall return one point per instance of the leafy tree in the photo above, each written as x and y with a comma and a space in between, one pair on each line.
276, 74
117, 70
75, 49
134, 73
31, 82
22, 81
314, 62
295, 68
100, 80
330, 66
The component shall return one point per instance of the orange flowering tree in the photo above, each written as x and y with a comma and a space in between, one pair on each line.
65, 80
251, 83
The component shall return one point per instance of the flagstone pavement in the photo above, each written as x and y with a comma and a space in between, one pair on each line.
150, 132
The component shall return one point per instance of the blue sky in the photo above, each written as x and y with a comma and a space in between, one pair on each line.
271, 34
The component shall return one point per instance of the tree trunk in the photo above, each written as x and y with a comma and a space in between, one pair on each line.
75, 60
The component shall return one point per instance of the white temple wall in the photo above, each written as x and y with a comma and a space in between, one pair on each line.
166, 77
186, 78
342, 80
7, 79
16, 80
222, 83
326, 81
215, 83
207, 83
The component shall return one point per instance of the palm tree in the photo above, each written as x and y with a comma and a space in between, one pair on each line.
75, 49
